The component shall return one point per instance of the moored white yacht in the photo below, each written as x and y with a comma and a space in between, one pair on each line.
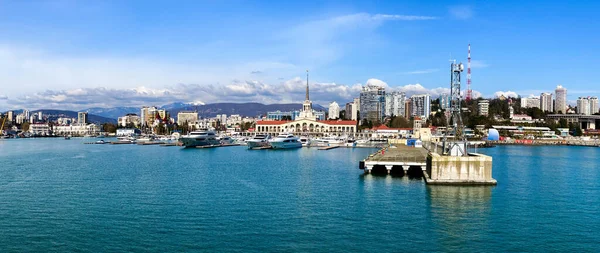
259, 141
285, 141
199, 138
329, 141
305, 141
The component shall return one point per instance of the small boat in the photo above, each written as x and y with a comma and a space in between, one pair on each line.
100, 142
67, 137
225, 139
285, 141
330, 141
259, 141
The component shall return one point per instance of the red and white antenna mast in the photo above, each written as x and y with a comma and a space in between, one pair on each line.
469, 91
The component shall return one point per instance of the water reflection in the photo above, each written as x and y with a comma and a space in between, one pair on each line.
459, 211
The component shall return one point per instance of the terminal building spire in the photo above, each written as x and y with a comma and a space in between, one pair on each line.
307, 97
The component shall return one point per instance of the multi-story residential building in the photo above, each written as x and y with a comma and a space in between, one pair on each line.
445, 100
483, 107
408, 108
348, 110
355, 108
530, 102
587, 105
372, 103
561, 99
82, 118
10, 116
334, 110
20, 119
130, 119
546, 104
421, 105
186, 117
394, 103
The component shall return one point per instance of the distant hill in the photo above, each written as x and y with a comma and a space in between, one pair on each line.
243, 109
55, 114
113, 113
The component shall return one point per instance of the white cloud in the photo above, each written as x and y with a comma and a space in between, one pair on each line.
461, 12
376, 82
506, 94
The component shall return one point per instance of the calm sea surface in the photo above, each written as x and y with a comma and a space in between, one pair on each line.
61, 195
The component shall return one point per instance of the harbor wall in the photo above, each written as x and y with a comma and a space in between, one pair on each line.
475, 169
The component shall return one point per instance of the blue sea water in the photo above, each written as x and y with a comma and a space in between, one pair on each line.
62, 195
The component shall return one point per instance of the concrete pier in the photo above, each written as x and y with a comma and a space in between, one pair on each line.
475, 169
397, 157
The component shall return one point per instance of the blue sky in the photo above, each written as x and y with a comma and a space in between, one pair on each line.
79, 54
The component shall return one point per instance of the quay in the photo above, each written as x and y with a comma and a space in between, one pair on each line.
436, 169
218, 146
328, 148
398, 158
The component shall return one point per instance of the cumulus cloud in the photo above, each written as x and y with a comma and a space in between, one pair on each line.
376, 82
506, 94
3, 97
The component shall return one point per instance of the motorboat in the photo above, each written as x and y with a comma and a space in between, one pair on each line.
350, 142
329, 141
225, 139
199, 138
305, 141
259, 141
285, 141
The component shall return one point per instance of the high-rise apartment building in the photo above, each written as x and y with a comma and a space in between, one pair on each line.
587, 105
372, 103
408, 108
334, 110
421, 105
186, 117
394, 103
546, 104
445, 101
561, 99
82, 118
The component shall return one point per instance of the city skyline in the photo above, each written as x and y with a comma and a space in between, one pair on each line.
62, 54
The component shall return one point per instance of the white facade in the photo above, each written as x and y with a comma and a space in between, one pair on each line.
129, 119
82, 117
483, 106
128, 131
40, 129
334, 110
394, 104
186, 117
77, 129
561, 99
530, 102
546, 104
587, 105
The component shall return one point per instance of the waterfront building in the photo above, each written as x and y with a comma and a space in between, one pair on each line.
130, 118
82, 118
546, 104
128, 132
530, 102
372, 103
561, 99
334, 110
307, 123
421, 105
77, 129
483, 107
394, 103
40, 129
186, 117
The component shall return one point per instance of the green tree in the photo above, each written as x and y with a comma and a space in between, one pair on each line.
25, 126
109, 127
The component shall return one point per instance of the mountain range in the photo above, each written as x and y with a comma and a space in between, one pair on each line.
207, 110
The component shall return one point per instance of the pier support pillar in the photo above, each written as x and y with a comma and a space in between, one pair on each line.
389, 169
423, 167
405, 168
368, 168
